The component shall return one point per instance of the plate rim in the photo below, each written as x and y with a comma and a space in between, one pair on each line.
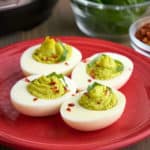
12, 140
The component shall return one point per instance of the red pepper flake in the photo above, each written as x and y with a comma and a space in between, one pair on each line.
78, 90
89, 80
46, 59
56, 91
35, 99
71, 104
92, 74
66, 90
54, 56
86, 94
27, 80
68, 109
85, 61
66, 64
143, 33
52, 83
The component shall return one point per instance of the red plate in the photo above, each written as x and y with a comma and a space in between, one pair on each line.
51, 132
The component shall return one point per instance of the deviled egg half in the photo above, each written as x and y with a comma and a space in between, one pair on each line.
107, 68
39, 95
97, 107
50, 56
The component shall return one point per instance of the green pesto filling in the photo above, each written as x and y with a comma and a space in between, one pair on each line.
98, 97
52, 51
48, 87
104, 67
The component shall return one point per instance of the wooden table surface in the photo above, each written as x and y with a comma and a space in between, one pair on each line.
60, 23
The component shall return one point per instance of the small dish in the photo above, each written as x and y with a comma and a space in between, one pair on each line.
138, 45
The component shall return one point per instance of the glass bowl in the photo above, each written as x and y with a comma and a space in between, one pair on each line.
138, 45
107, 21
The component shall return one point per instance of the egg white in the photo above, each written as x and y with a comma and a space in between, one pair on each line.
82, 79
23, 101
84, 119
30, 66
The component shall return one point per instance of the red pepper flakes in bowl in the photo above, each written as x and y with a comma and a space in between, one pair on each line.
143, 33
139, 33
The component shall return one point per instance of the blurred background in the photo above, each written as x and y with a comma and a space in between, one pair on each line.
27, 19
59, 21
